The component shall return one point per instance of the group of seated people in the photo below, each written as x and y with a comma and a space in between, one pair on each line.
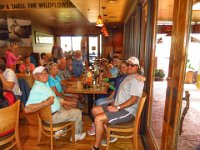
51, 78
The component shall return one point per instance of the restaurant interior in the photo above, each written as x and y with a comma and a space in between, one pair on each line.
164, 35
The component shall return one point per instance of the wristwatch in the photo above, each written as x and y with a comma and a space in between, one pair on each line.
118, 107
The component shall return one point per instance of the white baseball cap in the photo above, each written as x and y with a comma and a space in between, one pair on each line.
38, 70
134, 60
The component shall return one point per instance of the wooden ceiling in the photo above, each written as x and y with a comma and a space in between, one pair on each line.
82, 13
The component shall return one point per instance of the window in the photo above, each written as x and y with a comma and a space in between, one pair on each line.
71, 43
42, 38
93, 48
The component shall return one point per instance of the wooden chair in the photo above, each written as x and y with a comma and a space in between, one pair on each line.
185, 110
9, 120
129, 128
48, 128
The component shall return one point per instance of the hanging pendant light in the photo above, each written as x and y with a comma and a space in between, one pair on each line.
103, 28
99, 22
106, 34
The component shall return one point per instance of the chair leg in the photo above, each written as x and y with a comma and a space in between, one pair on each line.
51, 140
19, 147
135, 142
39, 133
22, 110
73, 133
108, 139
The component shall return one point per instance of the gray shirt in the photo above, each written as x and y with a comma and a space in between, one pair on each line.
64, 74
129, 87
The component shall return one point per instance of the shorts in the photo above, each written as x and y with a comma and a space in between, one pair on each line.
121, 116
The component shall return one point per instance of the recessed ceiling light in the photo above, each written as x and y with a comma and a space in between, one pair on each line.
112, 1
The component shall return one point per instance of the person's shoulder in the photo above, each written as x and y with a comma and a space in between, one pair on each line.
9, 71
58, 77
133, 77
50, 78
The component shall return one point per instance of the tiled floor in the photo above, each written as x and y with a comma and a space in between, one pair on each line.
160, 94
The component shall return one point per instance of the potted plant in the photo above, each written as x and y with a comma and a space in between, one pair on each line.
189, 72
159, 74
189, 66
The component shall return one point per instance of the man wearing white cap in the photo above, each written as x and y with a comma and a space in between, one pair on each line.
125, 104
42, 95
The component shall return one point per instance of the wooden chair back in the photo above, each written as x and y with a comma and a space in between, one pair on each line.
138, 113
47, 128
45, 114
131, 127
9, 118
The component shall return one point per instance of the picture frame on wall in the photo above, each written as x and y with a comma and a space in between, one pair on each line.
4, 37
15, 31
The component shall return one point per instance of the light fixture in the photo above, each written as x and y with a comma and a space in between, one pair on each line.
99, 22
104, 26
106, 34
103, 29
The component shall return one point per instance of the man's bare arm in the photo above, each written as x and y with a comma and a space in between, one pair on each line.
128, 103
35, 107
7, 85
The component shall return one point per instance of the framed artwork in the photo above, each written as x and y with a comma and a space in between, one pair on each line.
18, 32
4, 37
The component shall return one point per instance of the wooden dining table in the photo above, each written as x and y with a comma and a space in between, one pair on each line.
78, 88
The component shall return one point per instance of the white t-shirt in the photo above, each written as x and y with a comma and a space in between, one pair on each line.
10, 76
130, 86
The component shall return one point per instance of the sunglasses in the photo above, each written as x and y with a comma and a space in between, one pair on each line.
132, 65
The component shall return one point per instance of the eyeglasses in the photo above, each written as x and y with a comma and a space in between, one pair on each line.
132, 65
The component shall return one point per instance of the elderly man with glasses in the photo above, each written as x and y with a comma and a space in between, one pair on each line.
42, 95
125, 104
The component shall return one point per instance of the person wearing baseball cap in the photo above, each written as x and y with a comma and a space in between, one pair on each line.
133, 61
125, 104
42, 95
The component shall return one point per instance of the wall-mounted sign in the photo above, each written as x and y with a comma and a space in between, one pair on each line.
34, 4
15, 31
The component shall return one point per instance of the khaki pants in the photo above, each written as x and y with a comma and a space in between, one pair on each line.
64, 115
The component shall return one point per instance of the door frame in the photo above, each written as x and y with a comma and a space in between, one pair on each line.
180, 37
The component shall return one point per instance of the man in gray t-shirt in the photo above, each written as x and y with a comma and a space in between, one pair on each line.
62, 71
125, 104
